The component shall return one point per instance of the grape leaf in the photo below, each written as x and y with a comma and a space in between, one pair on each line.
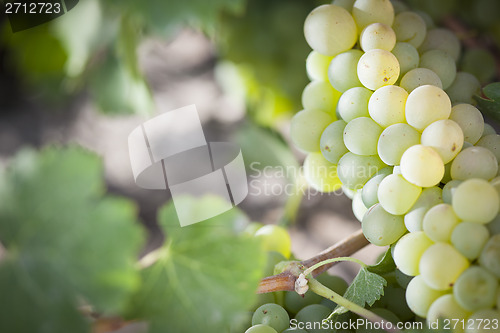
65, 242
490, 104
205, 276
385, 265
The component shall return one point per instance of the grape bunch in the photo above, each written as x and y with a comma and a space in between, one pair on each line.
390, 119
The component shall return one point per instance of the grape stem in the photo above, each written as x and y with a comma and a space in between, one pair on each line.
333, 260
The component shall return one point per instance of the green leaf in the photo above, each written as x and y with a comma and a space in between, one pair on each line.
205, 275
385, 265
65, 241
490, 104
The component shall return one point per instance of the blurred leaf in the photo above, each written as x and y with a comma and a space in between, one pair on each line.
491, 104
128, 42
205, 275
65, 242
385, 265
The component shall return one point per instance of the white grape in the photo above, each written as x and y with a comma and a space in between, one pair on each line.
320, 95
469, 239
420, 296
317, 66
382, 228
439, 222
463, 88
407, 56
408, 251
306, 128
476, 200
387, 105
441, 265
425, 105
474, 162
361, 136
445, 136
397, 195
366, 12
440, 63
377, 36
342, 72
429, 197
418, 77
410, 28
470, 120
395, 140
354, 103
441, 39
422, 166
378, 68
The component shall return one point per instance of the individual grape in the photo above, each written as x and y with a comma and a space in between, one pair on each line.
320, 95
261, 329
494, 226
419, 296
490, 256
385, 314
440, 63
445, 137
354, 103
410, 28
441, 265
483, 321
361, 136
382, 228
476, 289
429, 23
463, 88
346, 4
488, 130
425, 105
407, 56
275, 238
439, 223
273, 315
492, 143
366, 12
378, 68
342, 71
355, 170
449, 189
387, 105
317, 66
313, 315
447, 173
402, 279
480, 63
476, 200
396, 195
422, 166
394, 141
429, 197
470, 120
377, 36
294, 302
474, 162
369, 193
330, 30
469, 239
358, 207
320, 173
306, 128
446, 307
408, 251
441, 39
418, 77
332, 141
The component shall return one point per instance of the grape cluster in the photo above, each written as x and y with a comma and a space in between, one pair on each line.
389, 119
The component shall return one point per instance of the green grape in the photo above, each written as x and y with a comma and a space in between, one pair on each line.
483, 321
474, 162
377, 36
342, 71
492, 143
317, 66
445, 137
428, 198
422, 166
494, 226
446, 307
490, 256
378, 68
470, 120
261, 329
480, 63
441, 265
449, 190
394, 141
330, 30
355, 170
408, 251
410, 28
439, 222
332, 141
429, 23
382, 228
272, 315
385, 314
407, 56
402, 279
476, 200
425, 105
320, 95
387, 105
358, 207
463, 88
440, 63
476, 289
394, 301
396, 195
447, 172
469, 239
354, 103
294, 302
441, 39
361, 136
275, 238
306, 128
366, 12
321, 174
488, 130
369, 192
419, 296
418, 77
313, 315
346, 4
399, 6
